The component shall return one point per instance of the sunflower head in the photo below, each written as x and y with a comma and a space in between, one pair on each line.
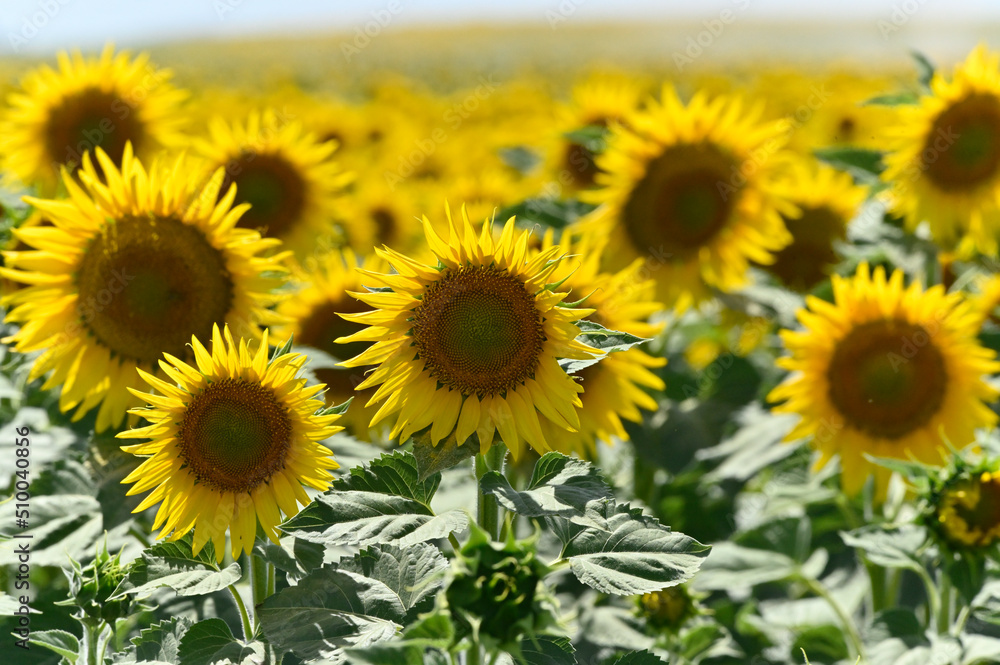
690, 190
134, 263
472, 343
668, 609
59, 115
885, 371
233, 438
968, 510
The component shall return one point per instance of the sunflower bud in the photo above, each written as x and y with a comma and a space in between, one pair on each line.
966, 512
91, 586
668, 609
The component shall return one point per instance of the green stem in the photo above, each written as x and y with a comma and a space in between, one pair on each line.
944, 610
93, 635
963, 616
473, 656
876, 575
259, 575
244, 617
643, 479
489, 509
852, 632
933, 599
455, 545
103, 647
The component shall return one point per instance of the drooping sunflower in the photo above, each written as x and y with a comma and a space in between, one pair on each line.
689, 189
614, 388
472, 344
128, 271
944, 162
232, 439
313, 319
827, 200
885, 371
286, 175
968, 510
60, 114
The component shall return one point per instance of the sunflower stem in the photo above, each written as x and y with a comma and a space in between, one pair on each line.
244, 617
854, 638
944, 609
258, 582
489, 509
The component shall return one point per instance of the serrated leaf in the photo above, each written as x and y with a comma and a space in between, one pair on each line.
600, 338
173, 565
559, 485
61, 525
433, 459
330, 610
367, 518
733, 566
157, 643
295, 556
414, 574
210, 641
888, 547
545, 650
394, 473
633, 554
639, 658
63, 643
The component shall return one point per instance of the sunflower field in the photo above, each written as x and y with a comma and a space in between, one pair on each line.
614, 366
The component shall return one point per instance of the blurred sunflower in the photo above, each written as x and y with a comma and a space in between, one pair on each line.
887, 372
689, 189
968, 510
128, 271
232, 443
374, 216
471, 344
827, 200
944, 163
59, 115
289, 178
615, 387
313, 319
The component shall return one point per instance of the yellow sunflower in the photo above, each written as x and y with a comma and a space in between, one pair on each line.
827, 200
128, 271
60, 114
885, 371
471, 344
968, 511
690, 191
944, 163
312, 315
288, 177
230, 444
615, 387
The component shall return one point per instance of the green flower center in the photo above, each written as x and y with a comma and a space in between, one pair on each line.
962, 150
887, 378
147, 284
235, 435
272, 186
686, 197
478, 330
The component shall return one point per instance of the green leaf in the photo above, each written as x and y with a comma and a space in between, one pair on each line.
173, 565
639, 658
889, 547
544, 650
337, 409
367, 518
598, 337
904, 98
986, 605
423, 643
296, 556
211, 641
519, 158
824, 644
925, 68
864, 165
330, 610
281, 350
591, 137
63, 643
547, 212
414, 574
733, 566
159, 642
979, 649
632, 553
433, 459
61, 525
396, 473
559, 485
757, 444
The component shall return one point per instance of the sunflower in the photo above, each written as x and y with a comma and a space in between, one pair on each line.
827, 200
968, 510
944, 163
128, 271
885, 371
59, 115
232, 443
615, 387
374, 216
471, 344
690, 190
283, 172
313, 320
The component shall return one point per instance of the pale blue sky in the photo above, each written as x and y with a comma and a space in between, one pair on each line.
40, 27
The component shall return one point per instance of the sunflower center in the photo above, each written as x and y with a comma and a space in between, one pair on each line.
581, 164
89, 119
319, 329
962, 150
682, 202
478, 330
805, 262
272, 186
385, 225
235, 435
887, 378
984, 514
146, 284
